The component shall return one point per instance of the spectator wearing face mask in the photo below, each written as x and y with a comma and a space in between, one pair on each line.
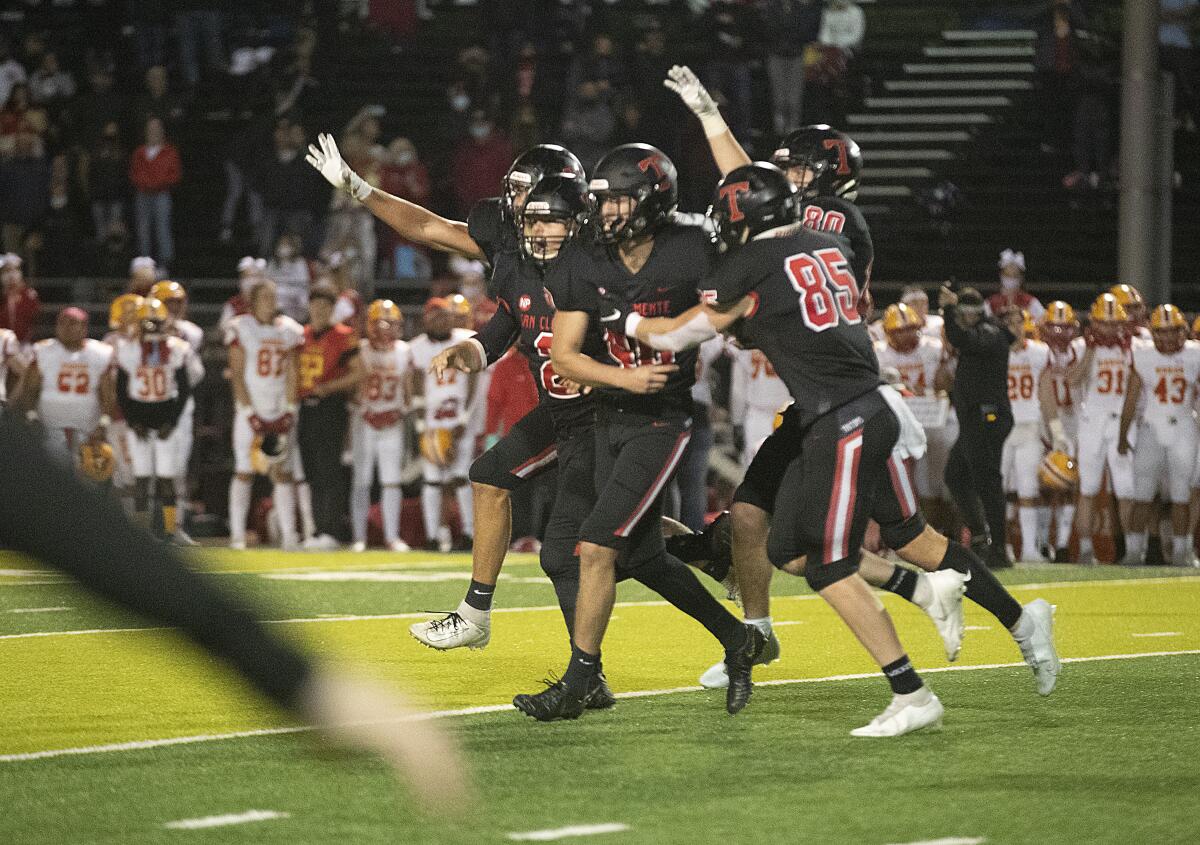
1012, 277
292, 277
479, 164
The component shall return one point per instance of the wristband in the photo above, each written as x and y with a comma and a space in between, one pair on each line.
31, 415
105, 420
632, 322
713, 124
359, 189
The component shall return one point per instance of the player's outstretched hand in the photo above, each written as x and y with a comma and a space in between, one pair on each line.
364, 714
649, 379
457, 357
328, 161
695, 96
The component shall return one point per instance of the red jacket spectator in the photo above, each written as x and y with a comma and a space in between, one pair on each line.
479, 164
20, 303
155, 169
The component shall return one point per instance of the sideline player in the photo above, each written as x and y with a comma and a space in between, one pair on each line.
122, 324
379, 441
756, 396
1162, 395
1059, 330
64, 387
1102, 373
447, 447
263, 374
11, 362
154, 373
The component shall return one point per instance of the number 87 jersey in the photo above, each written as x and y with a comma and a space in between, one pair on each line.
266, 346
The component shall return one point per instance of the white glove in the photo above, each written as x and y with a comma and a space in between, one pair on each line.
1058, 435
330, 164
683, 82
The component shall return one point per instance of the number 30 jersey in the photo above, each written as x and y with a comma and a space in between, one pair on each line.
266, 346
70, 395
804, 315
1025, 369
151, 368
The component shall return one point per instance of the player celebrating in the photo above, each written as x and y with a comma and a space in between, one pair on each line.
446, 445
380, 439
154, 373
263, 375
1162, 382
1102, 372
64, 386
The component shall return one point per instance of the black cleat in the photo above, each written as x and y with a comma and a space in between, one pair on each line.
552, 703
738, 664
1062, 555
710, 551
997, 557
599, 696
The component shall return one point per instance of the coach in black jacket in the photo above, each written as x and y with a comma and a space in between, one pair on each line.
980, 397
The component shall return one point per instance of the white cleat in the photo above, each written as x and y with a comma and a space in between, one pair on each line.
358, 546
452, 631
1038, 648
717, 676
399, 546
946, 608
906, 713
182, 538
445, 542
321, 543
237, 545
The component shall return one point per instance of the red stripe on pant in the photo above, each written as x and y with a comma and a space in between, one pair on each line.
660, 481
902, 485
841, 501
535, 462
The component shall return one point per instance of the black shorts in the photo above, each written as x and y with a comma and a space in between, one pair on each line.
765, 473
528, 450
843, 477
636, 454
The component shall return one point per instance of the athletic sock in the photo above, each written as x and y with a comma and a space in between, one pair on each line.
982, 588
169, 519
1029, 524
431, 510
1063, 517
902, 676
389, 505
479, 595
466, 509
580, 670
285, 508
674, 581
1181, 547
360, 508
239, 509
762, 623
903, 583
308, 523
1085, 546
1135, 546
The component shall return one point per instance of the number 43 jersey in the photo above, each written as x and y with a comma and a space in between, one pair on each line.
804, 315
1168, 384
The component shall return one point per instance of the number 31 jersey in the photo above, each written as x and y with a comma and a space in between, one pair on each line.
803, 316
70, 395
266, 346
1104, 393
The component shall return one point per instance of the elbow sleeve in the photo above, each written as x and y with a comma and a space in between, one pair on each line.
692, 333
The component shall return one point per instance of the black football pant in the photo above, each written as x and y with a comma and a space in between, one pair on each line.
973, 470
47, 513
322, 437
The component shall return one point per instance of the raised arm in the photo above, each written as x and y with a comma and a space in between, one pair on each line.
411, 221
726, 151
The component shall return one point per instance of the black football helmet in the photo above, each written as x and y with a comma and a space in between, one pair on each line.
647, 176
531, 165
832, 157
752, 199
558, 197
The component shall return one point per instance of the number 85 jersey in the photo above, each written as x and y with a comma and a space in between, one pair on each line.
266, 346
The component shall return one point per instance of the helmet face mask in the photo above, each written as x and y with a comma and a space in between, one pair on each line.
1057, 336
820, 161
1168, 329
904, 340
554, 211
750, 200
527, 169
633, 191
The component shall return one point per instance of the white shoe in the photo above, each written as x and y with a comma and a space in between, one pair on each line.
906, 713
399, 546
444, 540
946, 609
717, 676
182, 538
237, 545
453, 631
358, 546
1038, 648
321, 543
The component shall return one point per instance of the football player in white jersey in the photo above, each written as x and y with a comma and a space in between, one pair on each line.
756, 395
154, 373
172, 295
446, 443
1102, 375
379, 441
64, 388
915, 297
1162, 384
1131, 300
1059, 330
1031, 395
122, 319
917, 356
11, 361
263, 375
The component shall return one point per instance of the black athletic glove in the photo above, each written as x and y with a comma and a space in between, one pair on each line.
613, 312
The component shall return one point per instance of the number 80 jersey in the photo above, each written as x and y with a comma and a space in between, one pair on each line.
266, 346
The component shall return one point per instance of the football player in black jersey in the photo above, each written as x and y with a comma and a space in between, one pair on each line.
825, 165
639, 252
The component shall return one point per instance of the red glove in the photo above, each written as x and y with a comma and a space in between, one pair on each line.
257, 424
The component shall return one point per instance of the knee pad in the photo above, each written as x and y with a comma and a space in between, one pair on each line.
898, 536
820, 576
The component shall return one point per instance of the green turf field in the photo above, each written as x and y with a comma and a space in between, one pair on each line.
112, 731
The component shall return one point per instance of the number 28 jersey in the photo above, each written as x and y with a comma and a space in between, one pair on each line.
70, 395
266, 346
804, 315
1025, 369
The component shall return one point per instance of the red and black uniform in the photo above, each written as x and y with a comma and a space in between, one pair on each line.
804, 318
842, 219
325, 356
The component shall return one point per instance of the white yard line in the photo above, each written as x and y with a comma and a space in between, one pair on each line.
226, 820
947, 840
39, 609
1159, 634
144, 744
566, 832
